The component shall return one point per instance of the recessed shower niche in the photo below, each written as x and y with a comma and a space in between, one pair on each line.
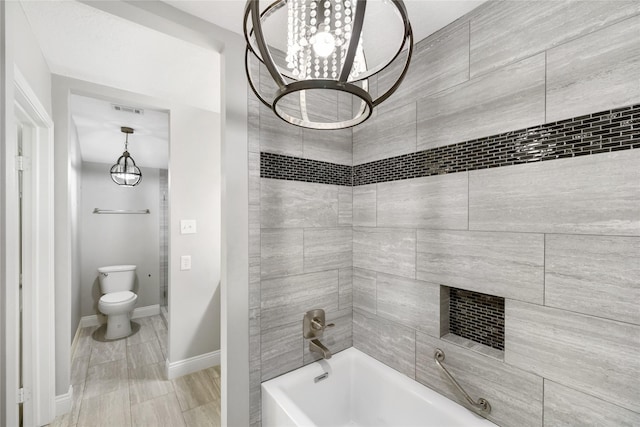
473, 319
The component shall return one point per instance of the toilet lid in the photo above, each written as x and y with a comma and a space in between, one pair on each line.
117, 297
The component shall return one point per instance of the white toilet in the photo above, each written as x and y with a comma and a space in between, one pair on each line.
118, 299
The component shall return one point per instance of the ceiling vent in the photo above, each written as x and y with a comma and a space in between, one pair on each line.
125, 109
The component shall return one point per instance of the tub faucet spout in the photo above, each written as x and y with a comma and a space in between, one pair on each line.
317, 346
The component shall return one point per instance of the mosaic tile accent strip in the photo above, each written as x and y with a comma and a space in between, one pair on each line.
602, 132
277, 166
477, 317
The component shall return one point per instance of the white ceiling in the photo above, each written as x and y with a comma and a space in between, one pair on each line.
426, 16
101, 140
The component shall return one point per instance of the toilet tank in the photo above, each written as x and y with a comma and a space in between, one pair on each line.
116, 278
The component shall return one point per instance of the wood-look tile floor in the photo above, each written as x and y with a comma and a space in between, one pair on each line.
120, 384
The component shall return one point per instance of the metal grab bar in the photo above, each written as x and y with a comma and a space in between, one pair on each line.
482, 404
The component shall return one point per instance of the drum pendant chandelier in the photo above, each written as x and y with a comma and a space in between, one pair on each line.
317, 57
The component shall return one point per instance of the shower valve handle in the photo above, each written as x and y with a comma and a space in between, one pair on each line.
317, 324
313, 324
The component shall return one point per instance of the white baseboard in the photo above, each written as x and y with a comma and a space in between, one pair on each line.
64, 402
138, 312
76, 337
92, 320
192, 364
150, 310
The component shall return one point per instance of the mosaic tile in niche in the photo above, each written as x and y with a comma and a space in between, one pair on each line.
477, 317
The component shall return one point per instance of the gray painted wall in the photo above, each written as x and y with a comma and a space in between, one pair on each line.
119, 239
505, 66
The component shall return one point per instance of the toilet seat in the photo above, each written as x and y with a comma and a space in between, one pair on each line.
117, 297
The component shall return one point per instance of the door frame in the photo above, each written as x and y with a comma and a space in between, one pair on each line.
39, 266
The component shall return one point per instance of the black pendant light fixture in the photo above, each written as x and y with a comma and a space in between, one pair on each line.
125, 172
315, 57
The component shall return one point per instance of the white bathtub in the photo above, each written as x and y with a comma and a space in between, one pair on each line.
359, 391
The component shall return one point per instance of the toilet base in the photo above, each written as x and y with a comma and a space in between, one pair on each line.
118, 326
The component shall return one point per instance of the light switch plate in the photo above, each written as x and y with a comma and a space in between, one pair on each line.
185, 262
187, 226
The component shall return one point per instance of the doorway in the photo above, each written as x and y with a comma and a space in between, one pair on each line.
117, 224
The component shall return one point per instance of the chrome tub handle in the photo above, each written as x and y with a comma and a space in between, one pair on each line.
482, 404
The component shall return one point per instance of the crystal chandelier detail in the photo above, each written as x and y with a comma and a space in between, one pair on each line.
316, 75
318, 38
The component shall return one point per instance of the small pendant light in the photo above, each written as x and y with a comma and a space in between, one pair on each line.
125, 172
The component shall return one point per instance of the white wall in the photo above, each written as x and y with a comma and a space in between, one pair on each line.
75, 201
19, 49
119, 239
64, 188
235, 237
26, 53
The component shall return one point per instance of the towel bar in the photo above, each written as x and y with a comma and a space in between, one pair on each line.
120, 211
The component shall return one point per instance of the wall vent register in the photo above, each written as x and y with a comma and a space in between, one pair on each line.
125, 109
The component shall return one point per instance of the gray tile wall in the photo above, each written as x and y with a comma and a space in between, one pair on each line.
565, 406
596, 69
503, 264
532, 27
594, 355
558, 240
512, 97
300, 244
595, 194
